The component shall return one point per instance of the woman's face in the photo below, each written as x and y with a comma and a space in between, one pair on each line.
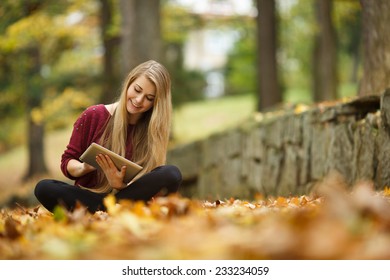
140, 98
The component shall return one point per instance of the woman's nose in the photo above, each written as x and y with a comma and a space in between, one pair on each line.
139, 99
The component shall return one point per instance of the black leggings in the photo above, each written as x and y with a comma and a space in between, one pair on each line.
53, 192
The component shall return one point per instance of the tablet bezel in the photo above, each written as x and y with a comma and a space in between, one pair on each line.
89, 156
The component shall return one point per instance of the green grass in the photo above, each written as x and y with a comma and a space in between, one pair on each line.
301, 95
197, 120
297, 96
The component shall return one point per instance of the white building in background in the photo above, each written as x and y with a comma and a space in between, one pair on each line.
206, 50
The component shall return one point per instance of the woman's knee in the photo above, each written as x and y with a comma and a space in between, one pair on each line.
46, 188
173, 178
41, 187
174, 174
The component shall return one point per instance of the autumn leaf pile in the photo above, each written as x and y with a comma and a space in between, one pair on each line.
335, 222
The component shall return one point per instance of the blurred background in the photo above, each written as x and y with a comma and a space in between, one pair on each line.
228, 59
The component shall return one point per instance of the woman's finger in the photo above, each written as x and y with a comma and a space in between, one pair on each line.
123, 171
109, 162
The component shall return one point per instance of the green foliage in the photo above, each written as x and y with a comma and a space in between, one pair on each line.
187, 86
347, 19
44, 54
296, 31
241, 67
348, 24
12, 133
60, 110
176, 22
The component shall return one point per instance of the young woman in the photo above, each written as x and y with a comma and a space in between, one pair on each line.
137, 127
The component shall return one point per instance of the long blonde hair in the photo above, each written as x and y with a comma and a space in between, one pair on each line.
151, 133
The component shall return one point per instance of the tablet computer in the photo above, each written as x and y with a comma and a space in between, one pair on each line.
89, 156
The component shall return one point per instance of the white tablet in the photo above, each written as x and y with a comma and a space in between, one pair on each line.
89, 156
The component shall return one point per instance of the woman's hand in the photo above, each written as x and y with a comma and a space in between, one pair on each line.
114, 176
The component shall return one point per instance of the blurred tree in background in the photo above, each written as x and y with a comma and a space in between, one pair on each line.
324, 61
376, 47
140, 32
110, 38
269, 93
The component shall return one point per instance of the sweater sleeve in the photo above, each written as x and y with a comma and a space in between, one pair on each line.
86, 129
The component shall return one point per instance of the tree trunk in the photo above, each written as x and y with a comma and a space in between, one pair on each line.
141, 34
36, 151
36, 155
110, 76
325, 80
376, 47
269, 91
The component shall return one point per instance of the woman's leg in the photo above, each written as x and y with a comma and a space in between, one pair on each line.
163, 178
51, 193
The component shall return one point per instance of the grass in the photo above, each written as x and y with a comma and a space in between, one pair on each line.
198, 120
299, 95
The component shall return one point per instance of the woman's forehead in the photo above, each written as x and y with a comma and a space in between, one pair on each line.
143, 82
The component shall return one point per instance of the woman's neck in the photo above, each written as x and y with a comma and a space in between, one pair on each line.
111, 108
133, 119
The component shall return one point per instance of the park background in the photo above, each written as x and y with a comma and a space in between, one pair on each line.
232, 63
227, 61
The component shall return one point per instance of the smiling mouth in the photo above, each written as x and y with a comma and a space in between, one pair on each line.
136, 106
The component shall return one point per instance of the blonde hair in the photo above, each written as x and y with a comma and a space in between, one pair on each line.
151, 133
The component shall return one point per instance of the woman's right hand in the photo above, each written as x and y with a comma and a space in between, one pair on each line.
78, 169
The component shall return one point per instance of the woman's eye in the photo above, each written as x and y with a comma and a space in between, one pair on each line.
150, 98
137, 90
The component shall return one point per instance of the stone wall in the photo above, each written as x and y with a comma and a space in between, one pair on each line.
287, 153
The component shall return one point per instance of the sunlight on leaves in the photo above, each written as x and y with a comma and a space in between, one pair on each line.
336, 221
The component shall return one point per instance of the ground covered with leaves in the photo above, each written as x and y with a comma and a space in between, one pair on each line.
335, 222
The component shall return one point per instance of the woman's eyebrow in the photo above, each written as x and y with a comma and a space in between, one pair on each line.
139, 86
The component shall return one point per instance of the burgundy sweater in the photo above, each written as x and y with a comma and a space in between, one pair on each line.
89, 128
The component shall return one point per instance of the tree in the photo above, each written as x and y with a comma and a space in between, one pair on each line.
325, 80
140, 32
376, 47
110, 37
269, 91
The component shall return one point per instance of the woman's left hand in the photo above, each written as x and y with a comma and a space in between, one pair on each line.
113, 175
